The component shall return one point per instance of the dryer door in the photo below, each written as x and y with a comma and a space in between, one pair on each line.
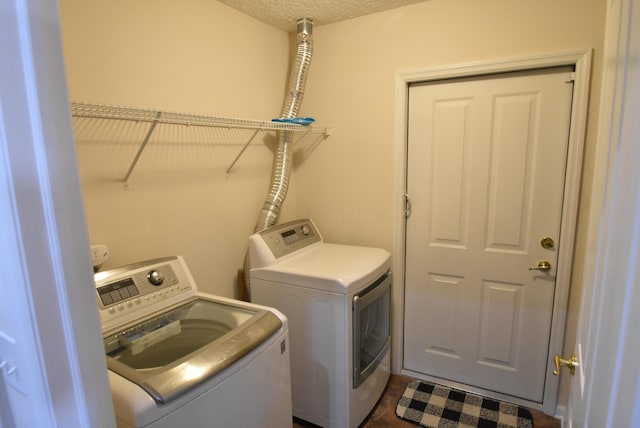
371, 327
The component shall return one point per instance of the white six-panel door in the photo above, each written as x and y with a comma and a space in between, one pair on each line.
485, 174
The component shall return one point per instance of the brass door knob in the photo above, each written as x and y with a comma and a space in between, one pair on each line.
543, 265
571, 363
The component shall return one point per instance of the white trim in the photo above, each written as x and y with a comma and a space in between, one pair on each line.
561, 414
51, 341
606, 389
581, 60
497, 66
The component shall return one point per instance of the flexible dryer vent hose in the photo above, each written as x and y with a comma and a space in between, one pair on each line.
283, 158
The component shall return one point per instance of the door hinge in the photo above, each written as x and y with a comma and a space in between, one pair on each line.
572, 78
407, 205
9, 363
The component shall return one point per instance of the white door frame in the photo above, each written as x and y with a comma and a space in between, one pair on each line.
53, 371
581, 60
605, 389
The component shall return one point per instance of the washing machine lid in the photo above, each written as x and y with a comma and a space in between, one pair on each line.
172, 352
329, 267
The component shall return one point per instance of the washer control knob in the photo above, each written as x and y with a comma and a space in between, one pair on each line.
156, 278
304, 230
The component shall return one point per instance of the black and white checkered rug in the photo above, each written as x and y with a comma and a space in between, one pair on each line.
437, 406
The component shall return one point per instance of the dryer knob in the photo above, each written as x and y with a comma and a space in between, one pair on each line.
156, 278
305, 230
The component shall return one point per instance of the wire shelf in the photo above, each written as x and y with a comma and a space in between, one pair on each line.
105, 111
155, 117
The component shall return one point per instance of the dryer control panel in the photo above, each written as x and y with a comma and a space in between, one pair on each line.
283, 239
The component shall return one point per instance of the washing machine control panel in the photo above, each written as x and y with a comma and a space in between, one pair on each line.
141, 287
286, 238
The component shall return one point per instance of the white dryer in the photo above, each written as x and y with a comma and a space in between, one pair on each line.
337, 299
181, 358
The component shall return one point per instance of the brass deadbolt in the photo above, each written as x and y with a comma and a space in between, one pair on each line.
547, 242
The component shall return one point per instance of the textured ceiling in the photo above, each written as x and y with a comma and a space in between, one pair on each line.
283, 14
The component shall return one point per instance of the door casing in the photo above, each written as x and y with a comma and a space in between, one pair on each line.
581, 60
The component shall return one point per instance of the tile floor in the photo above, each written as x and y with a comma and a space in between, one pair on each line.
384, 414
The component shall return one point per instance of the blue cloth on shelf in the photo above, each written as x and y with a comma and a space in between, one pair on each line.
296, 120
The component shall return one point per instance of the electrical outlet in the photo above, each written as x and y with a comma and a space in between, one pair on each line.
99, 254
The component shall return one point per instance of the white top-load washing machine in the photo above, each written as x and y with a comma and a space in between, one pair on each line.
337, 299
181, 358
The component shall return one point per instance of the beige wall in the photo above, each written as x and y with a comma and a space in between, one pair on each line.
347, 185
197, 57
201, 57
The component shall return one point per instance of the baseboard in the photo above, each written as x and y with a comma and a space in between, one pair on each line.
561, 412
